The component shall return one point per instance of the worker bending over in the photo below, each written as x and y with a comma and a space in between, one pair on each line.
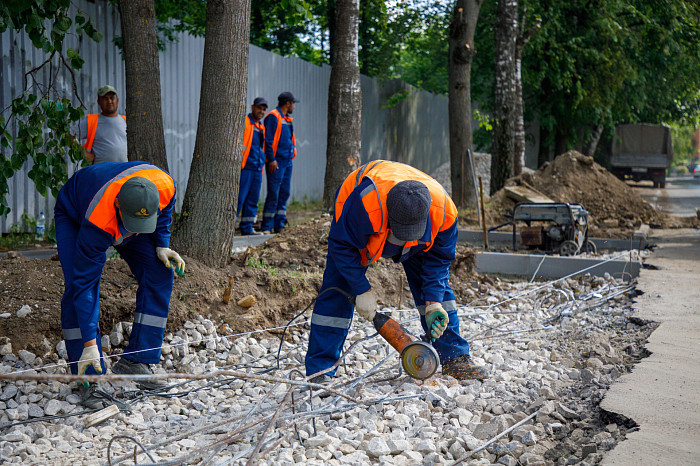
128, 206
389, 209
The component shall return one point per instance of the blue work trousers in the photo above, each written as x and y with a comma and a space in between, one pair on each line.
332, 316
248, 196
278, 190
155, 284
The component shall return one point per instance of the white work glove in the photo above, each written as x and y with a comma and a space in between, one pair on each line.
89, 357
437, 319
166, 255
366, 305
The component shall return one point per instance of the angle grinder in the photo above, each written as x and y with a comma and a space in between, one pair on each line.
418, 358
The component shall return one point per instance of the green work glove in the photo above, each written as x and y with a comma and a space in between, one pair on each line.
437, 319
89, 357
166, 255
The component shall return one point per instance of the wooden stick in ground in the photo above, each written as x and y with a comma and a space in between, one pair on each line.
483, 214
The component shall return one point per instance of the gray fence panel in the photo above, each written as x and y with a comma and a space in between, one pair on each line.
413, 131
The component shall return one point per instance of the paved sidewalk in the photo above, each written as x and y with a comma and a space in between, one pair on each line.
662, 393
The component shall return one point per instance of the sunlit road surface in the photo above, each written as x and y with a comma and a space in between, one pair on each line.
680, 197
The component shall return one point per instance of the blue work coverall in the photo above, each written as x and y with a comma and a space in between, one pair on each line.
279, 182
428, 276
251, 180
82, 248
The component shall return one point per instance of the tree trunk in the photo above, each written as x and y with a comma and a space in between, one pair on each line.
205, 228
330, 5
502, 143
461, 54
560, 141
519, 141
592, 145
145, 137
543, 153
343, 151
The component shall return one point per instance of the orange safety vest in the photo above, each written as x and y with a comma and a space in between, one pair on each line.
101, 211
384, 175
278, 131
248, 138
92, 129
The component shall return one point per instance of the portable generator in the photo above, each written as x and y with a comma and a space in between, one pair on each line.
561, 227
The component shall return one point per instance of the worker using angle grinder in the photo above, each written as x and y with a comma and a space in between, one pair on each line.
389, 209
128, 206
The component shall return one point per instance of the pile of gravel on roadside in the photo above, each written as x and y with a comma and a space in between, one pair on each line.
546, 352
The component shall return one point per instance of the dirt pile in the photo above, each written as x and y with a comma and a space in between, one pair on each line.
575, 178
284, 275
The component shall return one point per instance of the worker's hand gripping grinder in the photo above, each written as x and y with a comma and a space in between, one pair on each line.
418, 358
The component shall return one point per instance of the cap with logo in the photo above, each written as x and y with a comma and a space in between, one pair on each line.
106, 89
260, 101
408, 205
285, 97
138, 203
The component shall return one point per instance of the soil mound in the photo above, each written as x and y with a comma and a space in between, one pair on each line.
575, 178
284, 275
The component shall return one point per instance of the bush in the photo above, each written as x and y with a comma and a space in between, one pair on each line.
681, 170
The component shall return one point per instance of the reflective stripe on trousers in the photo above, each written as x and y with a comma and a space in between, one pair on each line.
278, 190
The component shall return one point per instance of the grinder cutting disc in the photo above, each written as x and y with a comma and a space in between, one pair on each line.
419, 359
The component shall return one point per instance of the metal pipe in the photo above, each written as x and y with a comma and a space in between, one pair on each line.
471, 453
172, 375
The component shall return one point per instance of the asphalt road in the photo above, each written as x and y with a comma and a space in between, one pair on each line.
680, 197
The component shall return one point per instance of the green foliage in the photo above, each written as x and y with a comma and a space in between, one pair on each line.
301, 206
600, 62
482, 134
682, 137
42, 114
395, 98
255, 262
21, 234
29, 223
291, 27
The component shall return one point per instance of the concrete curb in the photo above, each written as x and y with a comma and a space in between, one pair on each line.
553, 266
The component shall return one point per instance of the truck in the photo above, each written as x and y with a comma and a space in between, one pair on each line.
642, 152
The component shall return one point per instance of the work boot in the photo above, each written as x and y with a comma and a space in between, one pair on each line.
90, 398
463, 368
128, 367
323, 379
251, 233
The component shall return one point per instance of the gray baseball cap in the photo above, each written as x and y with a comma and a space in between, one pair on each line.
408, 206
138, 203
106, 89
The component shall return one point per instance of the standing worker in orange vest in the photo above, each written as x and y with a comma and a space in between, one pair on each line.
105, 133
251, 166
389, 209
128, 206
280, 150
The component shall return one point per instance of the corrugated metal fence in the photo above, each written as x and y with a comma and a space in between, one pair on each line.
414, 130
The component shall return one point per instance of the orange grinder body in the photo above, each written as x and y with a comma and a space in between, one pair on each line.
418, 358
